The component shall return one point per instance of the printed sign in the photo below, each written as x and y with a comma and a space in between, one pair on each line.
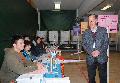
108, 21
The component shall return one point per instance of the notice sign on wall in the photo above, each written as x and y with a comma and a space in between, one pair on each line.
53, 35
108, 21
76, 30
84, 26
65, 36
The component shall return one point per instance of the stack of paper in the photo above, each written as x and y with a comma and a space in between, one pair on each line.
30, 78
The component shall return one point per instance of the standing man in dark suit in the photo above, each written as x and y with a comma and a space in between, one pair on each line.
95, 43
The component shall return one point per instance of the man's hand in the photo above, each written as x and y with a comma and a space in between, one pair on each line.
95, 53
41, 69
40, 66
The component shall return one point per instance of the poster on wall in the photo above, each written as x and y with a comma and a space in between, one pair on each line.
65, 36
76, 30
42, 34
73, 38
108, 21
83, 26
53, 35
75, 33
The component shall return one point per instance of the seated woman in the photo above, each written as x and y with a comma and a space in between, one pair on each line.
39, 49
26, 52
41, 43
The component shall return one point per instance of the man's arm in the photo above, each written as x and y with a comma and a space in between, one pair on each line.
85, 44
17, 66
105, 42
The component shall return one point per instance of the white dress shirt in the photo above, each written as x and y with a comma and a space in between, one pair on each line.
94, 30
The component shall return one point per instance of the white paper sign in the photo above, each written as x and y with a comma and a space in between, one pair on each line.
65, 36
53, 35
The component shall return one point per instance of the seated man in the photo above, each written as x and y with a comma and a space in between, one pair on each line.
14, 64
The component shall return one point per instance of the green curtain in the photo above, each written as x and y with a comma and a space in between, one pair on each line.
16, 17
57, 20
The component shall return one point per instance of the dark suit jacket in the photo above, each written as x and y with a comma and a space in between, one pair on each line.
101, 44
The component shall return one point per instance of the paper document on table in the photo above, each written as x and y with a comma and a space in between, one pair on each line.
30, 78
57, 80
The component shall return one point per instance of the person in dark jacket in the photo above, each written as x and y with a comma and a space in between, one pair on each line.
95, 43
39, 48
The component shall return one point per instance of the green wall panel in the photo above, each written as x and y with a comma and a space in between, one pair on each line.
57, 20
16, 17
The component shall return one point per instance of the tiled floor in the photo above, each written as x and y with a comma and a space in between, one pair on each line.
78, 71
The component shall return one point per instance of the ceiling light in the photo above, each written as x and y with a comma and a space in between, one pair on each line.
57, 5
106, 7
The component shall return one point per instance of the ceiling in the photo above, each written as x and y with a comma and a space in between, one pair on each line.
83, 6
114, 3
65, 4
